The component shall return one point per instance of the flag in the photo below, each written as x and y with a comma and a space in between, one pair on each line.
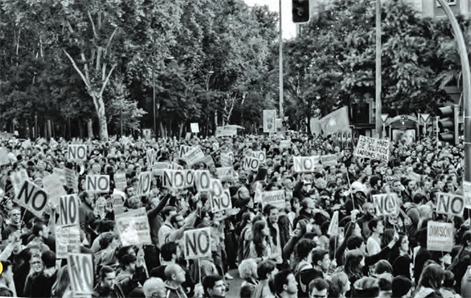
335, 121
334, 225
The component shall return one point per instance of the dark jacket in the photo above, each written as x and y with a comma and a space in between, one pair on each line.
116, 292
5, 292
41, 286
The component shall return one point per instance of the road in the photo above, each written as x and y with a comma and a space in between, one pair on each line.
234, 285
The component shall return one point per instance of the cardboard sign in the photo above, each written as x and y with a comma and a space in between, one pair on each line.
195, 128
329, 160
285, 144
139, 212
67, 240
183, 150
61, 174
222, 131
18, 178
440, 236
220, 197
260, 155
133, 230
467, 194
77, 152
227, 159
71, 180
174, 166
197, 243
250, 164
385, 204
120, 181
32, 198
158, 168
80, 267
208, 160
306, 164
450, 204
275, 198
54, 189
269, 120
334, 225
4, 160
226, 173
202, 180
193, 155
69, 210
372, 148
144, 184
97, 183
178, 179
150, 157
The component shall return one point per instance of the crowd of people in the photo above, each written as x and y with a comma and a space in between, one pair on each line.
279, 252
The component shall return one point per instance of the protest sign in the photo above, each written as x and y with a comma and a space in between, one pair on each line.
227, 159
120, 181
67, 240
269, 119
17, 179
260, 155
195, 128
178, 179
61, 174
54, 189
150, 157
80, 267
77, 152
467, 194
450, 204
371, 148
144, 183
250, 164
221, 202
71, 179
226, 173
174, 166
197, 243
139, 212
440, 236
133, 230
207, 160
329, 160
222, 131
158, 168
202, 180
32, 198
183, 150
285, 144
69, 210
306, 163
4, 160
97, 183
334, 225
385, 204
193, 155
275, 198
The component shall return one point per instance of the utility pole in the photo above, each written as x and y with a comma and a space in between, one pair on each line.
378, 70
281, 64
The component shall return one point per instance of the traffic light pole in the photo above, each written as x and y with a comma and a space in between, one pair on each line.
466, 74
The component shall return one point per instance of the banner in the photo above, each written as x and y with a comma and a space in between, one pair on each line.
250, 164
197, 243
194, 155
223, 131
385, 204
158, 168
269, 119
195, 128
329, 160
120, 181
467, 194
372, 148
178, 179
227, 159
144, 183
334, 122
202, 180
275, 198
139, 212
306, 164
67, 241
450, 204
133, 230
32, 198
440, 236
80, 267
54, 189
77, 153
69, 210
97, 183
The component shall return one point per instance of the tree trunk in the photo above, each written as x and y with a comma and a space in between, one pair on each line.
100, 111
90, 128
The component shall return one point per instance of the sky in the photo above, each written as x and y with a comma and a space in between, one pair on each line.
289, 29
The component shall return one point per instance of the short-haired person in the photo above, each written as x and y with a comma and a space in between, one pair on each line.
214, 286
154, 288
266, 271
41, 285
318, 288
373, 244
175, 278
106, 286
285, 284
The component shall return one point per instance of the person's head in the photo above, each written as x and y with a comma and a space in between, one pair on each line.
175, 273
382, 266
285, 282
466, 239
169, 251
168, 211
448, 279
376, 226
248, 269
266, 270
7, 274
107, 277
356, 242
272, 213
385, 281
340, 283
369, 208
15, 216
319, 288
321, 259
36, 263
214, 286
401, 286
177, 221
304, 248
128, 263
431, 277
48, 258
307, 205
354, 261
154, 288
106, 239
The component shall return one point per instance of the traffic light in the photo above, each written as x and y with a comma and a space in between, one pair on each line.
300, 11
448, 124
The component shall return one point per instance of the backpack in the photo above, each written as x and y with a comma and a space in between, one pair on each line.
243, 250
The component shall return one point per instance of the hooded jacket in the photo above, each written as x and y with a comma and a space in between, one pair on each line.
424, 292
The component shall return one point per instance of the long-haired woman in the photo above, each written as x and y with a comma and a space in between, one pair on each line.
62, 288
339, 285
260, 246
354, 263
430, 282
400, 259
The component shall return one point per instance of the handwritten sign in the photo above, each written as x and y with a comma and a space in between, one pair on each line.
450, 204
69, 210
275, 198
144, 183
440, 236
372, 148
285, 144
197, 243
133, 230
250, 164
77, 152
467, 194
306, 164
202, 180
120, 181
178, 179
32, 198
71, 180
329, 160
97, 183
67, 240
80, 267
385, 204
158, 168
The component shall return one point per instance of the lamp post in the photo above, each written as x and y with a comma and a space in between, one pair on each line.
384, 117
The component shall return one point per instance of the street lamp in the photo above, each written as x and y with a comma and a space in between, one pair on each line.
384, 117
